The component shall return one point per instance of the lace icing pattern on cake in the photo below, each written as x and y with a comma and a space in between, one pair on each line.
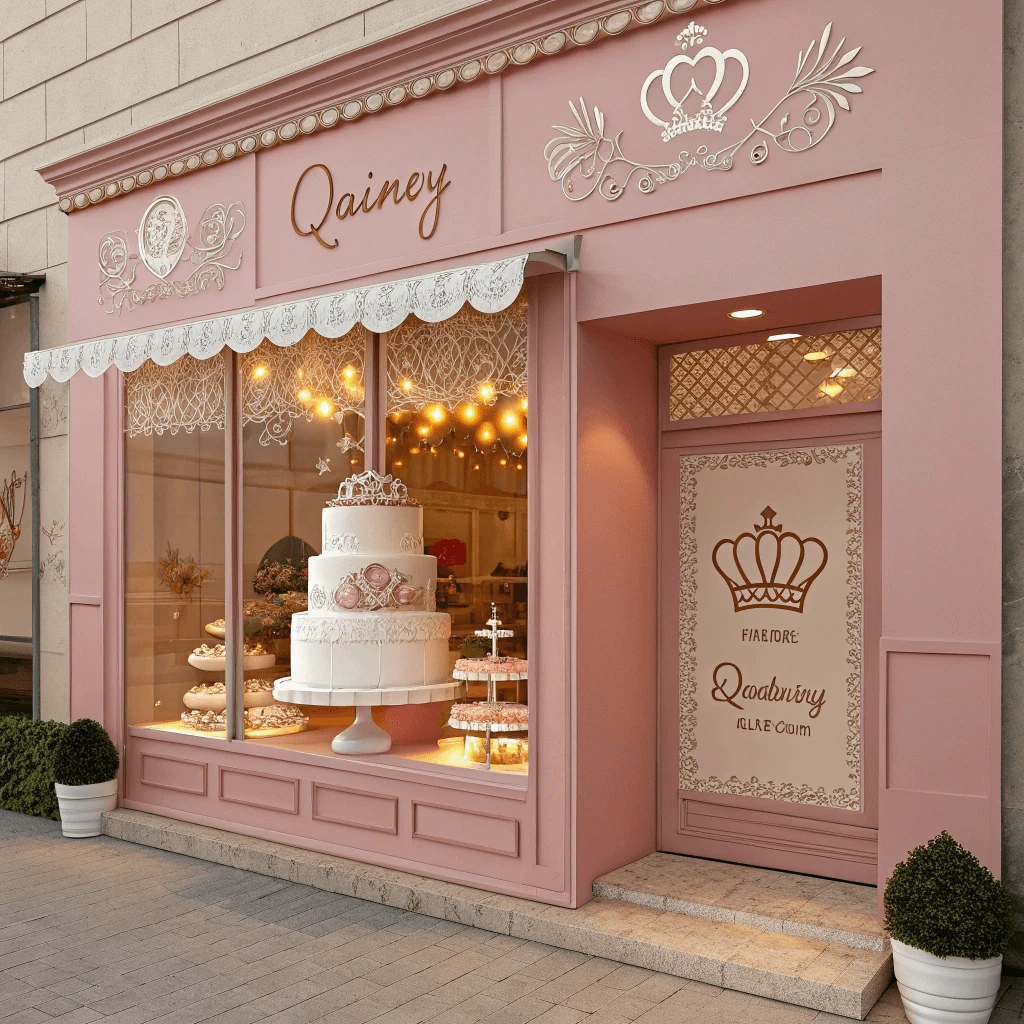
373, 588
317, 596
371, 629
370, 488
412, 544
346, 543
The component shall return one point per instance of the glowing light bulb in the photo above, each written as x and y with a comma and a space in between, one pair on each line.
519, 465
324, 408
260, 372
487, 392
423, 430
436, 413
485, 434
414, 451
510, 421
831, 388
815, 357
502, 462
461, 454
305, 395
468, 413
349, 373
476, 465
523, 406
406, 385
521, 440
300, 373
398, 463
353, 462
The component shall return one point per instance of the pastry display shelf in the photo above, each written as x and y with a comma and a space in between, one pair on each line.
489, 676
219, 701
364, 736
250, 662
462, 724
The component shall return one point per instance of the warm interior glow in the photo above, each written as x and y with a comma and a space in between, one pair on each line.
844, 372
521, 440
436, 413
510, 421
349, 374
502, 462
305, 395
423, 430
523, 406
504, 750
815, 357
461, 454
260, 372
398, 463
746, 314
519, 465
831, 388
485, 435
784, 336
324, 408
406, 385
468, 413
487, 392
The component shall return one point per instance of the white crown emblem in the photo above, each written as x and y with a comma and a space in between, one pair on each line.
687, 114
370, 488
769, 568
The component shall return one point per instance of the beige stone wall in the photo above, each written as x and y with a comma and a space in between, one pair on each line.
76, 74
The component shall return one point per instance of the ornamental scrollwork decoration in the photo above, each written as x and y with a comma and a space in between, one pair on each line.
585, 158
162, 241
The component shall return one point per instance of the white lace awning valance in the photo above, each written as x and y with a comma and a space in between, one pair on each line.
487, 287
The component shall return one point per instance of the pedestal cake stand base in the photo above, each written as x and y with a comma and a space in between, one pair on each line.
364, 736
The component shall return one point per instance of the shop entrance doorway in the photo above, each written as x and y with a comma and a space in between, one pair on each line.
770, 524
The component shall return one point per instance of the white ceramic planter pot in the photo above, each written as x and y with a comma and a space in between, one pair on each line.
945, 990
81, 807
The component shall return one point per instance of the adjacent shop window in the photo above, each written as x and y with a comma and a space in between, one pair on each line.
15, 517
451, 409
815, 371
174, 542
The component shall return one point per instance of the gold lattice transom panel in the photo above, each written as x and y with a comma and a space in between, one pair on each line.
777, 376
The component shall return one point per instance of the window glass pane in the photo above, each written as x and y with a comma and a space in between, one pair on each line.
14, 343
15, 563
775, 376
457, 436
174, 546
303, 433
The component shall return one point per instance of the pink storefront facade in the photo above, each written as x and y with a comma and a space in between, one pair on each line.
857, 206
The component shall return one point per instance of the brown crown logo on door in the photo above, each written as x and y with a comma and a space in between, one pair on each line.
769, 568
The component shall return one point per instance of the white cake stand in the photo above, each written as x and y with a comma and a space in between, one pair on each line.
364, 736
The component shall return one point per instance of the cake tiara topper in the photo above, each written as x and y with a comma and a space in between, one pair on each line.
370, 488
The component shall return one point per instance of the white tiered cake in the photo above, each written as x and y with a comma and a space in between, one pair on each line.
371, 635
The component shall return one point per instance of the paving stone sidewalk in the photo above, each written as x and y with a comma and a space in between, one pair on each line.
103, 930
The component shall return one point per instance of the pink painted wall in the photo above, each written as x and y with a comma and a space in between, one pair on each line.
906, 187
616, 604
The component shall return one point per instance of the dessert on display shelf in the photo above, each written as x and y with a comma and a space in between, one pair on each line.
371, 636
495, 730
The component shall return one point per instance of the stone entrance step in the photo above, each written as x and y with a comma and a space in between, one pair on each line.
811, 972
771, 901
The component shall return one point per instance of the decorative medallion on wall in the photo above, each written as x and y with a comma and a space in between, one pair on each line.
691, 97
163, 240
770, 625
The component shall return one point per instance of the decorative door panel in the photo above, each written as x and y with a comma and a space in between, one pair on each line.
769, 633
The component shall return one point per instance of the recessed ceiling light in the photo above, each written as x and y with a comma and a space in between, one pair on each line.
785, 336
815, 357
746, 314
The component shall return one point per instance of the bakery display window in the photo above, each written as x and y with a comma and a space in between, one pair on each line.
174, 577
381, 576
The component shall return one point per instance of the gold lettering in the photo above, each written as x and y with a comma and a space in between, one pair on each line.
352, 208
437, 188
366, 196
414, 182
390, 186
314, 229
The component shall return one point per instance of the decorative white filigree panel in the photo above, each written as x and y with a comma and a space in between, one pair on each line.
448, 362
777, 376
186, 395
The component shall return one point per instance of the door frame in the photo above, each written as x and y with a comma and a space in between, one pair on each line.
820, 841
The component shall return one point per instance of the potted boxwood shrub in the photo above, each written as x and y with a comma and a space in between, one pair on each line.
85, 764
949, 921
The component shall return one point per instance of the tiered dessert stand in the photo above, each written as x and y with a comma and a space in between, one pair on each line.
487, 671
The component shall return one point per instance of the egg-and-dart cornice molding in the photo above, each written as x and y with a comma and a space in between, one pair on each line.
491, 62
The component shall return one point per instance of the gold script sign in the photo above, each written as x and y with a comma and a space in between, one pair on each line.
347, 206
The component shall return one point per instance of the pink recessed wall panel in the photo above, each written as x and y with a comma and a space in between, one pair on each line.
435, 156
129, 296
